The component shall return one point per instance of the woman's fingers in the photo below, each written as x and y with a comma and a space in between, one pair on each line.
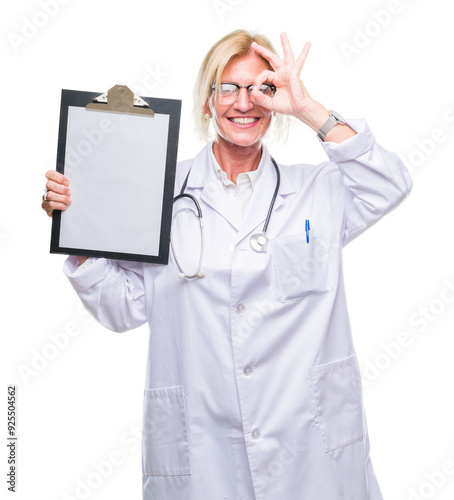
58, 193
55, 201
49, 206
289, 62
58, 198
259, 97
272, 58
302, 57
59, 178
289, 58
265, 76
57, 188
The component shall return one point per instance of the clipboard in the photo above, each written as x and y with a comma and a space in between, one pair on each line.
119, 152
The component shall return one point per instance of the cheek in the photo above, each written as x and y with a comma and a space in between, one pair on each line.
267, 119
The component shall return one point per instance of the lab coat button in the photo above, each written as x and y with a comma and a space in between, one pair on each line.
232, 248
240, 308
255, 434
248, 371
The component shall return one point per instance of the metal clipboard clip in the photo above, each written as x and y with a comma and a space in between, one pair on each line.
120, 99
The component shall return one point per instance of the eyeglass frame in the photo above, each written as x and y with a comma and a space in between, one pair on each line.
247, 87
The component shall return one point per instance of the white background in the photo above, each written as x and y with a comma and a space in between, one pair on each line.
80, 394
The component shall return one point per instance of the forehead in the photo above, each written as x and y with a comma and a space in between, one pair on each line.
243, 69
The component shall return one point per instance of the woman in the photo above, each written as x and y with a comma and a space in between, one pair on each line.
253, 389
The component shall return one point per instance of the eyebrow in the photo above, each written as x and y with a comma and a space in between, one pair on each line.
249, 84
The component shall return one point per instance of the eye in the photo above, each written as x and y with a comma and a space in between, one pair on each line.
228, 88
267, 89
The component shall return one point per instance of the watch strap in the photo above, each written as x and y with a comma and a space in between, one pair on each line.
333, 119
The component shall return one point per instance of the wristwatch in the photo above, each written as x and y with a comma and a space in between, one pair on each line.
333, 119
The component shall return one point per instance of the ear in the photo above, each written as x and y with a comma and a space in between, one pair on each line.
206, 110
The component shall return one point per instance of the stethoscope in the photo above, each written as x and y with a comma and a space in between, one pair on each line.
259, 241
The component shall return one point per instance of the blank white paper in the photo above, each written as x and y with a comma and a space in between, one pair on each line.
116, 167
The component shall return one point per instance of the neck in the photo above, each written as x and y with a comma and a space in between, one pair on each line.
234, 159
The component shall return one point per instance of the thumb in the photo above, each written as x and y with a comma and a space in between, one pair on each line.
261, 99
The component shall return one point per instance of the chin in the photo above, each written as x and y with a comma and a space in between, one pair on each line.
239, 140
246, 142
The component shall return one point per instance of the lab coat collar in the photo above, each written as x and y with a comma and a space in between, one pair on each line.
203, 176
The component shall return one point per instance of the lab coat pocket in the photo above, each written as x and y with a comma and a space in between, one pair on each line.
306, 268
165, 447
337, 403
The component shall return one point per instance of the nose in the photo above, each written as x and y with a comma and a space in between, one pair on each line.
243, 103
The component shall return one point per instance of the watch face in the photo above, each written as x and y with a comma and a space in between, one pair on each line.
337, 116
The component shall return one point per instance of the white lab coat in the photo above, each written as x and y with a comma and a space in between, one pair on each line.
253, 390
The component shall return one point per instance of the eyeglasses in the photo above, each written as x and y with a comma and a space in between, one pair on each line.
228, 92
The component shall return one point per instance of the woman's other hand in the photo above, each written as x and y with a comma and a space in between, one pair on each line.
57, 196
58, 193
291, 97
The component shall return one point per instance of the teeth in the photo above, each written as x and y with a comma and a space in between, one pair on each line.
243, 121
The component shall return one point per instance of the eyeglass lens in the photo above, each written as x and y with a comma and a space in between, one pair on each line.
229, 92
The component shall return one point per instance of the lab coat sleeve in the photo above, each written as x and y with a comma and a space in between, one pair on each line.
113, 291
373, 180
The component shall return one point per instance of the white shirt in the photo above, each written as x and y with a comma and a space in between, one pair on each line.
240, 193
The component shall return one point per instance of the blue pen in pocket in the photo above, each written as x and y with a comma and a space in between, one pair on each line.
308, 228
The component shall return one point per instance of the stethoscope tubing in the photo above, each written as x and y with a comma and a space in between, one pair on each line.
273, 199
182, 194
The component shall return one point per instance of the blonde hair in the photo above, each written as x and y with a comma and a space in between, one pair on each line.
235, 44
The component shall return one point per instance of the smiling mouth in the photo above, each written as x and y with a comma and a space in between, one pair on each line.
243, 121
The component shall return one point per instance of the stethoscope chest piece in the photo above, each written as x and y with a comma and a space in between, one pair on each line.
259, 242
